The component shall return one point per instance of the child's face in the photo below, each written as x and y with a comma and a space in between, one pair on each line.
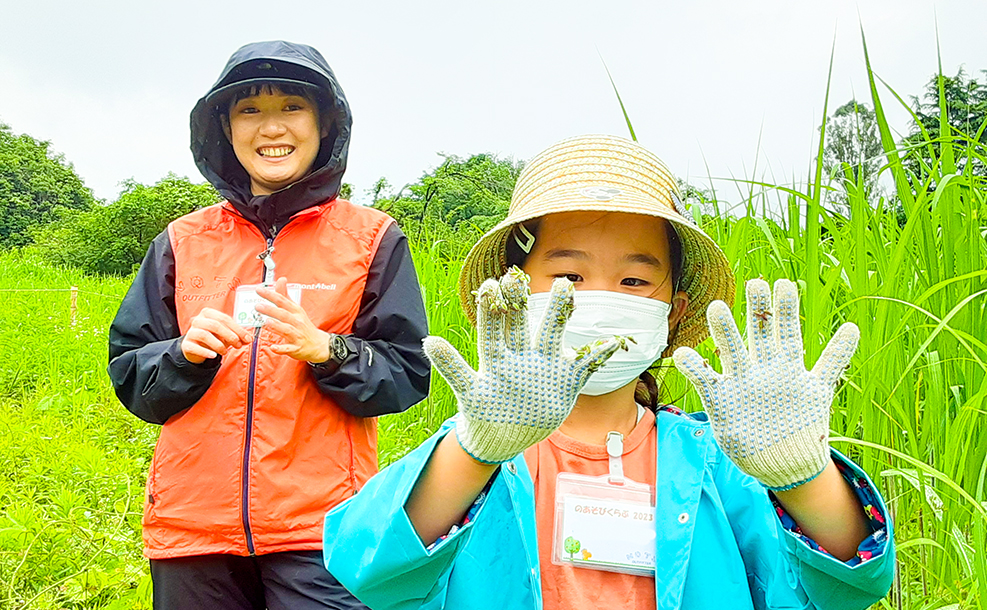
618, 252
275, 137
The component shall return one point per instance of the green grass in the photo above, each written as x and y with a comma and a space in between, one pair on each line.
72, 460
913, 409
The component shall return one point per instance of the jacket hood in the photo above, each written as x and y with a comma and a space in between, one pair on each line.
273, 62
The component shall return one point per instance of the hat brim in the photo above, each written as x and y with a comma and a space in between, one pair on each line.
706, 273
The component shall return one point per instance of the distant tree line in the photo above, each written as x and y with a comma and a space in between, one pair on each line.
853, 155
45, 206
113, 238
460, 199
36, 186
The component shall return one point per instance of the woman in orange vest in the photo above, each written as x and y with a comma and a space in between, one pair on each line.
265, 333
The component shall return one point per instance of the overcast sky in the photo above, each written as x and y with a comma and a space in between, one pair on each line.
723, 84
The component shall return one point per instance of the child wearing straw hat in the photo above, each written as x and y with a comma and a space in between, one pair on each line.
561, 483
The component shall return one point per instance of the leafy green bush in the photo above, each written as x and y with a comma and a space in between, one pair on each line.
35, 185
469, 195
114, 238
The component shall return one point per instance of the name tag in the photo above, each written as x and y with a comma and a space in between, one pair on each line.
603, 526
247, 299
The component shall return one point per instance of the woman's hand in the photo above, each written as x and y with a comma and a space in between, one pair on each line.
300, 338
212, 333
523, 389
768, 413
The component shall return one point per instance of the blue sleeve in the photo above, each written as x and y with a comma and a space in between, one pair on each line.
371, 547
782, 562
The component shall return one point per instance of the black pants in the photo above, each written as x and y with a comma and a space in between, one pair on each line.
279, 581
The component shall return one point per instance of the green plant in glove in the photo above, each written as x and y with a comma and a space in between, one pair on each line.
768, 413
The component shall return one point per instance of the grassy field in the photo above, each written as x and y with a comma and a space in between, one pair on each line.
911, 273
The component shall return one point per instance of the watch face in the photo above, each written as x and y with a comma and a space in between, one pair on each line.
339, 349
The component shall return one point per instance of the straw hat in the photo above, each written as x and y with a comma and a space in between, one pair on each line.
606, 174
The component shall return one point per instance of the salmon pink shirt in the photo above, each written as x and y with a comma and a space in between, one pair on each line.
572, 588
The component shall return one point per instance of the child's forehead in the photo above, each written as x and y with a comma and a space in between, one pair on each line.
605, 231
615, 223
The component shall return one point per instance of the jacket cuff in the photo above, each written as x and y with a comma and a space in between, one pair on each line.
325, 370
458, 531
468, 518
207, 367
395, 549
872, 568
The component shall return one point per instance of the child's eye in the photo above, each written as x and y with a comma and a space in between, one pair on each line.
248, 110
572, 277
293, 107
633, 281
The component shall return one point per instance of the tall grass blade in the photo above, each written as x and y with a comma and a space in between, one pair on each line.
627, 117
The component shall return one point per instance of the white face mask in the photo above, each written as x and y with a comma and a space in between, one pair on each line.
601, 314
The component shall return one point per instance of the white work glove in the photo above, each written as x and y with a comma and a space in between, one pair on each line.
768, 414
524, 389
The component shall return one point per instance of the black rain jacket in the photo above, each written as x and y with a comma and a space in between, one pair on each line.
150, 374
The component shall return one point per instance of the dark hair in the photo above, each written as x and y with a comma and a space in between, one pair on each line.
647, 391
514, 255
249, 90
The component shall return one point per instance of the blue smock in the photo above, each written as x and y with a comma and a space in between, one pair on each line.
720, 544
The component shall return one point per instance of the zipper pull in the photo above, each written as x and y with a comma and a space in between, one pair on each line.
615, 449
267, 257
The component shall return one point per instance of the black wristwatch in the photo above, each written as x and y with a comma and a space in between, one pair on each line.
338, 353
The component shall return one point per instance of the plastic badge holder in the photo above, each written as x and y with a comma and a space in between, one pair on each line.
604, 526
244, 312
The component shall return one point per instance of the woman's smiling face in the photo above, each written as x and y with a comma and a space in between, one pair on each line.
276, 138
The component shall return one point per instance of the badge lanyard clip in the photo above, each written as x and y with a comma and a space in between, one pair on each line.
615, 449
267, 256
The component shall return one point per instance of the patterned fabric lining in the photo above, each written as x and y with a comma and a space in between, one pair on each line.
873, 545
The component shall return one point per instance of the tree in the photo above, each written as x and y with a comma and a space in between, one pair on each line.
571, 546
464, 194
35, 186
966, 111
853, 154
114, 238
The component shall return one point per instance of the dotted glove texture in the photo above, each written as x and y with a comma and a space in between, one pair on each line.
525, 386
768, 413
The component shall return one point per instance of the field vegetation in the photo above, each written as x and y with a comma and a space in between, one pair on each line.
906, 263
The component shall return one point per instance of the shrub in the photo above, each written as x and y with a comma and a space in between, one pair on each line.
35, 185
114, 238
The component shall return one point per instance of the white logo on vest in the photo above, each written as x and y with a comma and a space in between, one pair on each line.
318, 286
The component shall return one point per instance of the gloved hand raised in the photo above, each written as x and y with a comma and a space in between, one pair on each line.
523, 389
768, 413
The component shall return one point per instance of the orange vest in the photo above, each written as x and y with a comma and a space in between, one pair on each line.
254, 465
